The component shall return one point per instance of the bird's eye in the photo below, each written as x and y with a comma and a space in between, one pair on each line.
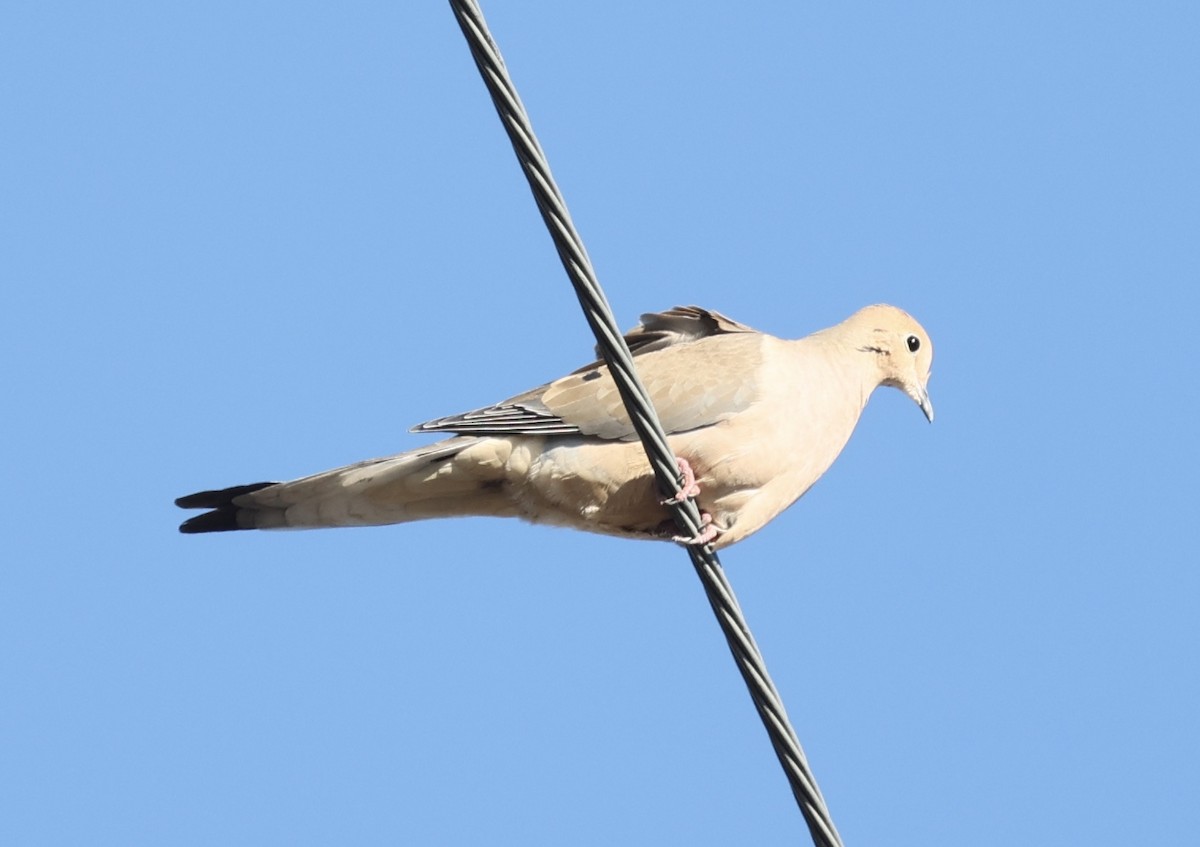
914, 344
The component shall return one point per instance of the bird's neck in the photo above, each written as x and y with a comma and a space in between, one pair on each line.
855, 371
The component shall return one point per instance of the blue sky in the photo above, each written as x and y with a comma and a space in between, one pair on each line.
249, 241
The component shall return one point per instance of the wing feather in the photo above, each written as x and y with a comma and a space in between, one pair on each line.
697, 365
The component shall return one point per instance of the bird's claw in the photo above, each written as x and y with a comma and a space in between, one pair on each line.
688, 487
709, 530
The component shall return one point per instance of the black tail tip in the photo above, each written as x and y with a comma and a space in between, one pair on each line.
218, 520
223, 517
219, 497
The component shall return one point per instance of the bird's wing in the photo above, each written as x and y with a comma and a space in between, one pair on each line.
678, 326
698, 366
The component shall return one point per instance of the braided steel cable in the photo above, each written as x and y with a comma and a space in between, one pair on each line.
645, 421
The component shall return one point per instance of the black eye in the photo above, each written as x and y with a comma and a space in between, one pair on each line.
914, 344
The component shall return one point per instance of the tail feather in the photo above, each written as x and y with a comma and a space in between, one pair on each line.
411, 486
220, 497
221, 519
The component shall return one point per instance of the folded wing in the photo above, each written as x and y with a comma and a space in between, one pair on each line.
697, 365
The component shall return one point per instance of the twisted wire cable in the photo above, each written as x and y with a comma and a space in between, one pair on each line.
616, 355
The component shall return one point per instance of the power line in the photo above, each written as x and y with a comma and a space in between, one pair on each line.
645, 421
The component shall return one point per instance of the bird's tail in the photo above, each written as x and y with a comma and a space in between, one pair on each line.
423, 483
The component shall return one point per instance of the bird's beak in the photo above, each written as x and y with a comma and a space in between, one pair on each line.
921, 395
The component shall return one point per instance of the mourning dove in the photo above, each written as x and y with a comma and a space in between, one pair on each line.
755, 420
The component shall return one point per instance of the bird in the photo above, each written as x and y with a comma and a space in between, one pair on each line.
755, 420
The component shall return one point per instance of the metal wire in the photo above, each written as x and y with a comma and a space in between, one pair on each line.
616, 354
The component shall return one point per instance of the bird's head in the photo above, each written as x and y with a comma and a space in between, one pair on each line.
901, 349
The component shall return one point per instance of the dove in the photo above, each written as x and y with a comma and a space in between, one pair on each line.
755, 421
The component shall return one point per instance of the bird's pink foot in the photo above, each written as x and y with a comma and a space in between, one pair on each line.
688, 487
707, 535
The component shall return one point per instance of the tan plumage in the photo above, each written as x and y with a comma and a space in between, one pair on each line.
758, 418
